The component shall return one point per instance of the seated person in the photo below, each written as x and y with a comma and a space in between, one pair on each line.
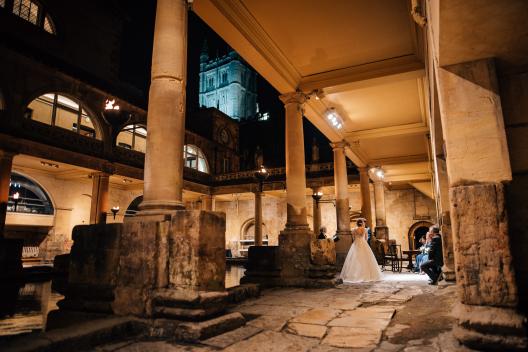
322, 233
424, 255
433, 266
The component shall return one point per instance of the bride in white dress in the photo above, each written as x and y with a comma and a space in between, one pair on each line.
360, 263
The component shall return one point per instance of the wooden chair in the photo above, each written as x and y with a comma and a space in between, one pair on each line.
393, 258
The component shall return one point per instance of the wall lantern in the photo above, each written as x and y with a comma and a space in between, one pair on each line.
333, 117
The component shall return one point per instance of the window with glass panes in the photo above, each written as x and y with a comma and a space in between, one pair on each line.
194, 158
31, 11
133, 137
60, 111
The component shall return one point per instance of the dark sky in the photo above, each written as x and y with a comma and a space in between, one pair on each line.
136, 52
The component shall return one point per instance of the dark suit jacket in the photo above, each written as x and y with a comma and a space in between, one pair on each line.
435, 253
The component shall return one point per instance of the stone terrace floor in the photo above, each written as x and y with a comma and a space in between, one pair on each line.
400, 313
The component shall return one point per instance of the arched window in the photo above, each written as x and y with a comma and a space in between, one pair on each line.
194, 158
133, 137
59, 111
30, 11
25, 196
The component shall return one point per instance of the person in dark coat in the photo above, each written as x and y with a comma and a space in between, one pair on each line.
433, 266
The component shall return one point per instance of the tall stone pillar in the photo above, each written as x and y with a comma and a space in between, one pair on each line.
366, 207
6, 165
166, 111
258, 218
208, 202
478, 164
316, 212
342, 202
382, 231
100, 205
445, 221
296, 217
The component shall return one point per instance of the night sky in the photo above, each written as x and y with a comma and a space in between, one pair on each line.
136, 53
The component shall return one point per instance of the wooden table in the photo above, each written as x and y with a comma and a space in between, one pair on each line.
410, 255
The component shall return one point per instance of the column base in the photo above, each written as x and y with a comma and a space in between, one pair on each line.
148, 208
300, 260
490, 328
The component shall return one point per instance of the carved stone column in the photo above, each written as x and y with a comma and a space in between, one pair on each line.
166, 111
6, 165
100, 205
316, 212
382, 231
478, 164
342, 202
258, 218
208, 202
295, 166
366, 206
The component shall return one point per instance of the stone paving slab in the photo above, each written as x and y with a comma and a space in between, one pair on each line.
319, 316
271, 341
355, 322
372, 312
269, 322
231, 337
162, 346
352, 337
277, 310
308, 330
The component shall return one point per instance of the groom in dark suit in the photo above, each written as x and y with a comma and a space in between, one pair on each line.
433, 267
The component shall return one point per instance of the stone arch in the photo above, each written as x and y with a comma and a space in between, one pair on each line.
414, 233
247, 230
39, 188
133, 207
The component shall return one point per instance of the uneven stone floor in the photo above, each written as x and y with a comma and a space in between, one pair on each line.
400, 313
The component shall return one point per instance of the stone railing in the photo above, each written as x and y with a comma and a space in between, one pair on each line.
277, 171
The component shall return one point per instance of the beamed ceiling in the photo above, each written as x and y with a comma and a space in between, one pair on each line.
365, 57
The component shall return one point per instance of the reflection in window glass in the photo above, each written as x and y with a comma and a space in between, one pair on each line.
133, 137
60, 111
194, 158
25, 196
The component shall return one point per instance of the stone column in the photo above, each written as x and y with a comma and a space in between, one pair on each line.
208, 202
6, 165
379, 200
342, 202
316, 212
258, 218
296, 217
100, 206
478, 164
382, 231
166, 111
445, 221
366, 207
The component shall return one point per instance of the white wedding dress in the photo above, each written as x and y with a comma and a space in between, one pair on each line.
360, 264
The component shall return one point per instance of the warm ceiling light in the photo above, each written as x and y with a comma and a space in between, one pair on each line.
333, 117
378, 173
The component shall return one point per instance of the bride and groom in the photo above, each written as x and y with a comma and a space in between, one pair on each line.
360, 264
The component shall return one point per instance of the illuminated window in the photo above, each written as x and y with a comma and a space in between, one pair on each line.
133, 137
194, 158
32, 12
25, 196
59, 111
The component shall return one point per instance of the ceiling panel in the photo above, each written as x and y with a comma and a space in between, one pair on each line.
394, 146
318, 36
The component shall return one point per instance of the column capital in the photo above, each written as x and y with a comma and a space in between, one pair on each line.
339, 145
100, 173
293, 98
363, 169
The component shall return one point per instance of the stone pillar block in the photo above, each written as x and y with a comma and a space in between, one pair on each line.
342, 246
197, 251
294, 251
487, 315
323, 252
92, 270
447, 247
483, 259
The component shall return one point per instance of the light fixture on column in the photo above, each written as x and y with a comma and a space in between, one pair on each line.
377, 173
333, 117
317, 197
115, 210
261, 175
